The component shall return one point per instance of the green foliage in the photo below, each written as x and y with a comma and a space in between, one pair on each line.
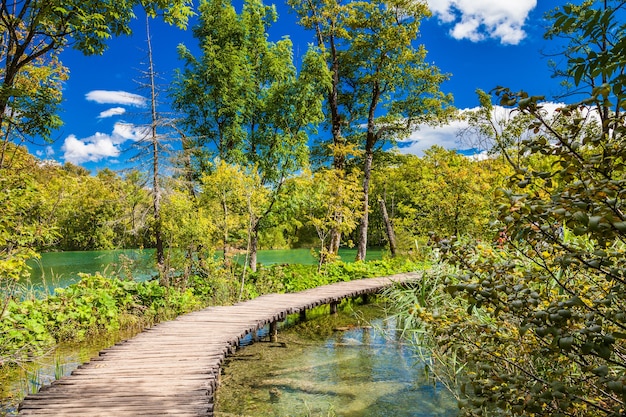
594, 34
94, 305
22, 231
293, 278
442, 193
327, 201
32, 100
188, 231
534, 323
242, 97
232, 196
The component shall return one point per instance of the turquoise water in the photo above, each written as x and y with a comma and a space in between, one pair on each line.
60, 269
362, 372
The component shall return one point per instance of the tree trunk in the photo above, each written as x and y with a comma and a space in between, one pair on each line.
154, 138
335, 237
370, 141
335, 121
335, 118
254, 247
225, 231
367, 173
391, 236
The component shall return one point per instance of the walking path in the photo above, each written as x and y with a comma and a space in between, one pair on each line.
173, 368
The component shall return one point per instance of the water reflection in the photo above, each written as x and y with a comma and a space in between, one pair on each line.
361, 372
60, 269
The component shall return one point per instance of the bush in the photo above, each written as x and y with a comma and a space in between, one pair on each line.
93, 305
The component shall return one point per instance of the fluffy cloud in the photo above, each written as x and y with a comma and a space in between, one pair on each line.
91, 149
447, 136
116, 97
129, 131
48, 152
477, 20
428, 136
115, 111
100, 145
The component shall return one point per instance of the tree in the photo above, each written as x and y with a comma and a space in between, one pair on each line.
22, 232
85, 209
316, 199
151, 147
383, 88
33, 34
234, 197
133, 225
188, 229
495, 129
539, 320
324, 19
31, 111
442, 193
243, 100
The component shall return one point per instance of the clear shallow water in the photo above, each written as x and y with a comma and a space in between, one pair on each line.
17, 382
362, 372
60, 269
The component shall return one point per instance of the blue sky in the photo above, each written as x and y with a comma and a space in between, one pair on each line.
481, 43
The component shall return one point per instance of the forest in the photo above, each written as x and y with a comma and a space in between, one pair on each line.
523, 298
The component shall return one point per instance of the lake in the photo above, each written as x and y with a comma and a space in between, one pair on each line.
60, 269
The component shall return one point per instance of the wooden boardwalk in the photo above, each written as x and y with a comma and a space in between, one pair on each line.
173, 368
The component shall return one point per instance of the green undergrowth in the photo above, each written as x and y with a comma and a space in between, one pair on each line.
98, 305
293, 278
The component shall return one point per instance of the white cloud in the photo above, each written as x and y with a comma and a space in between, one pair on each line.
100, 145
477, 20
91, 149
447, 136
115, 111
47, 152
116, 97
429, 136
129, 131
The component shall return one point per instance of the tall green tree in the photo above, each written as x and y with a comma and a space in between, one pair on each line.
325, 19
383, 88
23, 229
33, 34
243, 100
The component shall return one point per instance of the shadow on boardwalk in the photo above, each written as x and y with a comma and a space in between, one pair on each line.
172, 368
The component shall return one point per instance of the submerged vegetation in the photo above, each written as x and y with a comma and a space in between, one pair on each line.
348, 364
